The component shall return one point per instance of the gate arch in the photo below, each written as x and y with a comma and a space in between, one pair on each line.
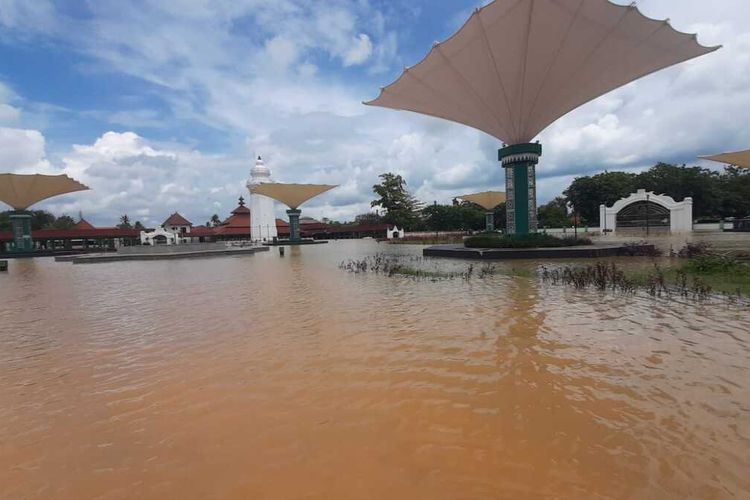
644, 209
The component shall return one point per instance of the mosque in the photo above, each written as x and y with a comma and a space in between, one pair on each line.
256, 222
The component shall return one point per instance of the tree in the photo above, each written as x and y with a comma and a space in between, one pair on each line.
125, 222
400, 206
680, 182
138, 225
63, 222
368, 218
735, 188
41, 219
5, 221
554, 213
460, 217
215, 220
501, 217
715, 194
585, 194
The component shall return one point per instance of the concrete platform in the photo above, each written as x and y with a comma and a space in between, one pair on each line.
50, 253
284, 243
95, 259
577, 252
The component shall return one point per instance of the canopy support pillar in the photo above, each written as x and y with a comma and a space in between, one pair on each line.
20, 223
294, 234
519, 162
489, 220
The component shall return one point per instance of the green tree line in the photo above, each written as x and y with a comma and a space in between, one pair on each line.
42, 219
715, 194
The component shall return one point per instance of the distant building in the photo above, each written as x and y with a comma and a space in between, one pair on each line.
83, 224
82, 236
238, 226
177, 224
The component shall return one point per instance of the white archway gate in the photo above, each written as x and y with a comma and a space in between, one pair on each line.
645, 207
150, 237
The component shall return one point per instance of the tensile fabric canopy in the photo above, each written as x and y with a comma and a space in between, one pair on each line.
737, 159
20, 191
291, 195
487, 200
516, 66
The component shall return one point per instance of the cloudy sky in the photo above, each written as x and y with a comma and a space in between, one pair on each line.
161, 105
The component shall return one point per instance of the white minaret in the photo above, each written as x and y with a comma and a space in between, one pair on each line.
262, 212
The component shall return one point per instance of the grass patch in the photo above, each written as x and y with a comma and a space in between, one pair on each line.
723, 273
700, 278
536, 240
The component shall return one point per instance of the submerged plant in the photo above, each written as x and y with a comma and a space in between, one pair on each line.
412, 266
657, 282
600, 276
640, 249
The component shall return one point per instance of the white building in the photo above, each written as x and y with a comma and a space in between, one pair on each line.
262, 211
644, 210
178, 224
395, 233
160, 236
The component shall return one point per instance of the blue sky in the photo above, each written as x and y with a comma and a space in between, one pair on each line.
161, 106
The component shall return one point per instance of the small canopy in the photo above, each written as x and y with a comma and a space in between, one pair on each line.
738, 159
487, 200
21, 191
291, 195
516, 66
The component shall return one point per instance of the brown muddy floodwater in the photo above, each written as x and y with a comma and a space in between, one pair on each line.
283, 378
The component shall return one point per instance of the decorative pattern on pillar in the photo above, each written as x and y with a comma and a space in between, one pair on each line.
294, 234
510, 202
532, 198
520, 162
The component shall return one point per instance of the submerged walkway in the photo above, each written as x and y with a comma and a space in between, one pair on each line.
190, 254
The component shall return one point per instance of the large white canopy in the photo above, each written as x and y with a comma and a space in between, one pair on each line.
20, 191
487, 200
738, 158
291, 195
516, 66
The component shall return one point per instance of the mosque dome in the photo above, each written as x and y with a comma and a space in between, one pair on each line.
259, 173
260, 169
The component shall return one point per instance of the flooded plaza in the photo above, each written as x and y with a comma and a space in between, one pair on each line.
285, 377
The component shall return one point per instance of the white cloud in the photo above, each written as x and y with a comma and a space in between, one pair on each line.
129, 174
23, 151
359, 52
8, 114
281, 52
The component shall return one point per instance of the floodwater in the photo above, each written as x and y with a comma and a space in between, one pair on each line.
285, 377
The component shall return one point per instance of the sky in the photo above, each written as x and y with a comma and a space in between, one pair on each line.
162, 106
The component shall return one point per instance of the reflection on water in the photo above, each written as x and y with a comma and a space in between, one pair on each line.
283, 377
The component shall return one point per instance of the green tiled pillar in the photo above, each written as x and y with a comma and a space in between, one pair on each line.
520, 162
294, 234
20, 223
